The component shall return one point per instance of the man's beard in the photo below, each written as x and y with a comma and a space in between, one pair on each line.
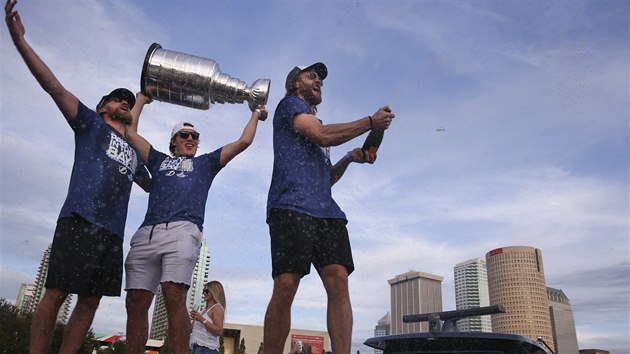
310, 98
121, 116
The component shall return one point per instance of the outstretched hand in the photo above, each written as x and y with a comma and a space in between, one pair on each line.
12, 18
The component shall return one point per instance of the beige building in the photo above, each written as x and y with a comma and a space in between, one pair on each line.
516, 280
414, 293
253, 337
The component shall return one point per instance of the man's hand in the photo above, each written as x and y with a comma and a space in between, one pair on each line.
359, 156
14, 23
141, 97
262, 113
382, 118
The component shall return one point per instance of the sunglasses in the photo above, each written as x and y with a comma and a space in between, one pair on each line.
313, 75
185, 135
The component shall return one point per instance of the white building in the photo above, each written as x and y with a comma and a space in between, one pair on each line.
471, 291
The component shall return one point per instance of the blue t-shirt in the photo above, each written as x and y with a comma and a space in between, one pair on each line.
105, 167
301, 168
180, 187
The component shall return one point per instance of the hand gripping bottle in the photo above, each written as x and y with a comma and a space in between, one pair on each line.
372, 142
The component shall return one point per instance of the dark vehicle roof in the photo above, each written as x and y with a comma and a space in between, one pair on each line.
456, 342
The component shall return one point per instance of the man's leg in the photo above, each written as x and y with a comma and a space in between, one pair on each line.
278, 315
79, 323
335, 279
44, 319
178, 317
137, 303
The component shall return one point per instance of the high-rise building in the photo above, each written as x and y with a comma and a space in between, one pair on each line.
382, 328
24, 300
39, 288
516, 280
194, 298
414, 293
471, 291
562, 322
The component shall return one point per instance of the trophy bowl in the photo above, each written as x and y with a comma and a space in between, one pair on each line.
195, 82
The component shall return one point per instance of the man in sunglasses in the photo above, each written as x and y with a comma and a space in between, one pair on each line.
165, 248
305, 223
87, 248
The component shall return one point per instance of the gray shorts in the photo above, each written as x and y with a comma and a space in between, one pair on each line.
162, 253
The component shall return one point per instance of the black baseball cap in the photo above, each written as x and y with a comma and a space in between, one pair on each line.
120, 93
293, 75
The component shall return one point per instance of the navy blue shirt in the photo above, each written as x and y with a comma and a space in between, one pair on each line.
105, 167
180, 187
301, 168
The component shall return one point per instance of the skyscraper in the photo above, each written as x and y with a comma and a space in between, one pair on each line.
516, 280
24, 300
194, 298
414, 293
37, 292
471, 291
562, 322
382, 328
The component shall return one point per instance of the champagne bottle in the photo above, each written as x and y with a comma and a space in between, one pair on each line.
372, 142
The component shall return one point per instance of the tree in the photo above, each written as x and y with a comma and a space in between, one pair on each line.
15, 330
241, 347
260, 348
166, 347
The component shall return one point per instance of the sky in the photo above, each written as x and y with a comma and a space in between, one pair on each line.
511, 129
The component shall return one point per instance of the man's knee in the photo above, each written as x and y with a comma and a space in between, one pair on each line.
54, 296
335, 278
88, 303
138, 300
286, 283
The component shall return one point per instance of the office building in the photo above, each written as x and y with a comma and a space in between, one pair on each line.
24, 300
36, 292
414, 293
562, 323
194, 298
516, 280
471, 291
382, 328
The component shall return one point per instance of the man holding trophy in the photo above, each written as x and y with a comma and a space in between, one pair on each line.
165, 248
305, 223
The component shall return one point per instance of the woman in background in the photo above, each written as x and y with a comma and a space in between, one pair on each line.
207, 325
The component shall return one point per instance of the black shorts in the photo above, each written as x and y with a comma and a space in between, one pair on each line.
85, 259
297, 240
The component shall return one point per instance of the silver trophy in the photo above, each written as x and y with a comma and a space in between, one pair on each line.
195, 82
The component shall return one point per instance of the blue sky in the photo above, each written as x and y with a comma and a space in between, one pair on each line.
511, 129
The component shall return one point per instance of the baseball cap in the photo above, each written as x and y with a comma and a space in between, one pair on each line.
182, 125
120, 93
319, 68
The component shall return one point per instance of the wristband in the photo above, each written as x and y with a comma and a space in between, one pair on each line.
371, 122
348, 159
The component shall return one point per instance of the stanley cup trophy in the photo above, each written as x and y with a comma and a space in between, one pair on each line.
195, 82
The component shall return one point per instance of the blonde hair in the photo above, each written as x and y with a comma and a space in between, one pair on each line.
216, 289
